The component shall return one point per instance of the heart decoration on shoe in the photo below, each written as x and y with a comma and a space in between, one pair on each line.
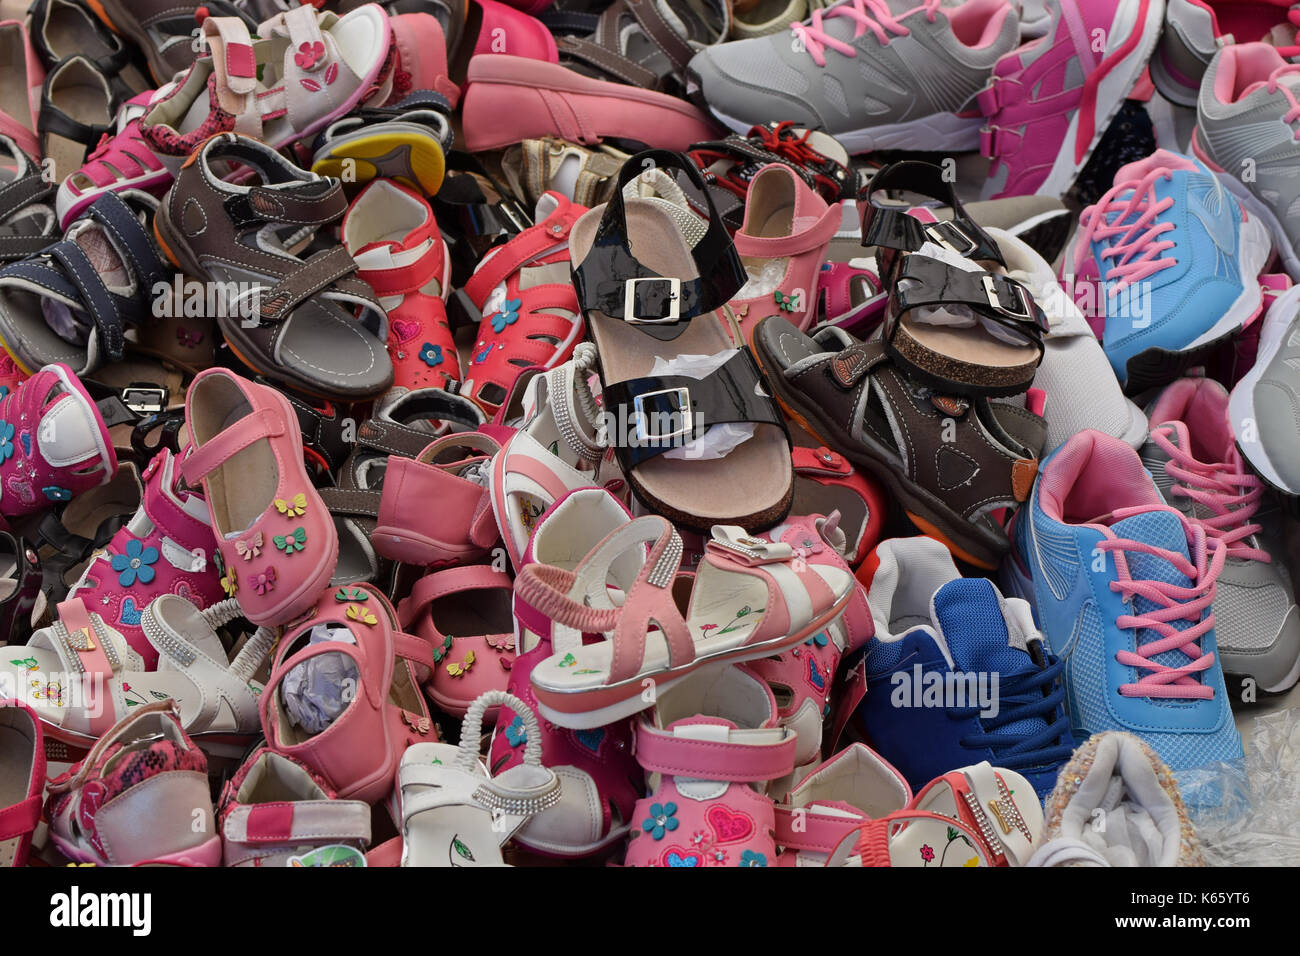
591, 739
403, 331
676, 856
728, 826
129, 613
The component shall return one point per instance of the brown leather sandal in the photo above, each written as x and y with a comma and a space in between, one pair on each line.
954, 463
289, 311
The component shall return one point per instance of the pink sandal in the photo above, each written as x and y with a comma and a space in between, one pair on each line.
464, 615
167, 548
525, 294
825, 480
998, 804
22, 757
54, 444
391, 232
713, 744
354, 744
783, 244
598, 774
122, 161
277, 543
748, 599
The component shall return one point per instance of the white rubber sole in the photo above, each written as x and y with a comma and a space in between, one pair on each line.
1258, 208
1111, 92
937, 132
1241, 403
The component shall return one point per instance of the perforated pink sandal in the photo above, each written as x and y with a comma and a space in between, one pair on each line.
277, 543
710, 747
464, 614
749, 598
525, 294
124, 160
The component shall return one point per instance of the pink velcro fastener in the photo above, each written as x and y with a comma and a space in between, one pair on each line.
20, 819
665, 752
264, 423
806, 829
240, 60
270, 823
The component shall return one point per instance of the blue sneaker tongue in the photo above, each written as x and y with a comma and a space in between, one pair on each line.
1161, 529
967, 610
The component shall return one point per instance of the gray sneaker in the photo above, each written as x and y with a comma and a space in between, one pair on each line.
1198, 470
1253, 137
875, 74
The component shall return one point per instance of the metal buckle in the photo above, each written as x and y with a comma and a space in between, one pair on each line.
145, 399
1021, 297
683, 396
674, 301
944, 232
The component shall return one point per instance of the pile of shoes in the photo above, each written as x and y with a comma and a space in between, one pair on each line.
650, 432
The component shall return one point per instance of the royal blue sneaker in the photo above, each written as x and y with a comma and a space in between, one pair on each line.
1123, 586
955, 674
1171, 262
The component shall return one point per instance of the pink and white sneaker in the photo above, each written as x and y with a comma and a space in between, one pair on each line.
391, 232
714, 742
1050, 101
167, 548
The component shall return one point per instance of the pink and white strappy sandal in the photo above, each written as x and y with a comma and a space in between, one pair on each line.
22, 781
998, 804
749, 598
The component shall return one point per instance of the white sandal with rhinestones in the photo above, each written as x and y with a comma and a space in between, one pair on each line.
81, 677
452, 812
999, 804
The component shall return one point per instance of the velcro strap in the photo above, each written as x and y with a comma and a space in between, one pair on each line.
104, 308
312, 821
805, 828
317, 273
94, 659
765, 755
21, 193
308, 204
356, 502
234, 64
608, 61
20, 819
264, 423
301, 26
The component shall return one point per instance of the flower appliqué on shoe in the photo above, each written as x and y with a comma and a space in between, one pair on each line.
264, 582
309, 54
662, 820
188, 338
55, 493
461, 668
753, 858
294, 541
295, 507
356, 612
786, 303
229, 583
6, 441
250, 547
515, 733
343, 595
421, 725
508, 315
135, 564
431, 354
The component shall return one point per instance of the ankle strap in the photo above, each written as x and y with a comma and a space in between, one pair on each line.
746, 756
808, 828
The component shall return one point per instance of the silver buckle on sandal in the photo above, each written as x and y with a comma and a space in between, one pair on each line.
1017, 291
945, 233
683, 411
674, 301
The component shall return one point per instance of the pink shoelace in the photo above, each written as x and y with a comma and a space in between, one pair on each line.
1274, 85
1226, 489
1175, 604
873, 15
1139, 249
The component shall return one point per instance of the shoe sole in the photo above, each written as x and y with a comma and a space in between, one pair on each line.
1119, 71
413, 159
1157, 366
1241, 402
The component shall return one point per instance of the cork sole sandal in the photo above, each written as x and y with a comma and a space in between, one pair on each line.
637, 247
